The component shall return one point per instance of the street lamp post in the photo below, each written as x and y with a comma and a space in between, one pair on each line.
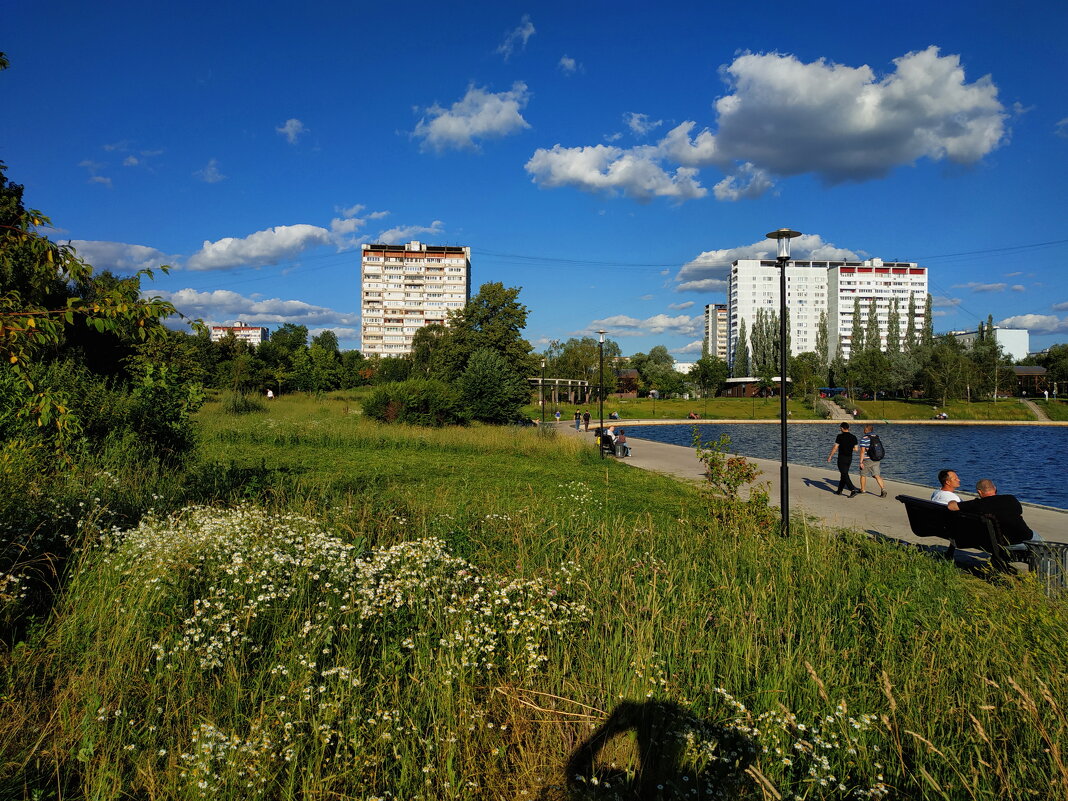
541, 391
600, 384
783, 236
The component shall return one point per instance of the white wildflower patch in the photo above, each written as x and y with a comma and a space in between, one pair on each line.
319, 629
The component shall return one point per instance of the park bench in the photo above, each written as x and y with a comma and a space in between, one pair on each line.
604, 442
962, 529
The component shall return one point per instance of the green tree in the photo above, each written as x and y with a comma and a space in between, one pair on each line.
872, 339
494, 319
709, 374
911, 340
857, 342
807, 372
492, 390
822, 349
893, 329
740, 360
290, 337
928, 323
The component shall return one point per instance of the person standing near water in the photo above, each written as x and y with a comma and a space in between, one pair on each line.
844, 445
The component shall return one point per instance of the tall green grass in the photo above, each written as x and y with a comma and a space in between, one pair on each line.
463, 614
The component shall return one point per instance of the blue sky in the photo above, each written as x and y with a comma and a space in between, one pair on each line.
609, 158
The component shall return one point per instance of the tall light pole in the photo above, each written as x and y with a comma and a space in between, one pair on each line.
600, 384
541, 391
783, 235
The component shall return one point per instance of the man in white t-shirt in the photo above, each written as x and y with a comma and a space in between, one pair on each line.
950, 481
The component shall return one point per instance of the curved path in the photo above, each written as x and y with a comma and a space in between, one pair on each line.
812, 492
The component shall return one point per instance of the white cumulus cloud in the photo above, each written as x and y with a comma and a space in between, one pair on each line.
210, 174
976, 286
568, 65
623, 325
784, 117
478, 115
263, 247
640, 124
120, 257
1037, 323
708, 272
223, 306
635, 173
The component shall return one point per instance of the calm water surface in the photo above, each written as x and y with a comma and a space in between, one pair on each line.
1026, 461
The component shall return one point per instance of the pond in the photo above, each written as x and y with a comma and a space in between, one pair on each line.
1025, 461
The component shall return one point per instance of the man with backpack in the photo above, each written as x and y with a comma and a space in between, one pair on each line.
871, 455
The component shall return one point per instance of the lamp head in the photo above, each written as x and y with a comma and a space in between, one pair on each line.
784, 235
600, 335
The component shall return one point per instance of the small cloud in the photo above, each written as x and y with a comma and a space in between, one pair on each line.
680, 306
131, 161
292, 130
976, 286
518, 36
210, 174
942, 301
625, 326
647, 297
747, 182
1060, 306
100, 179
1061, 128
121, 257
568, 65
405, 233
94, 168
697, 346
1013, 275
640, 124
1018, 288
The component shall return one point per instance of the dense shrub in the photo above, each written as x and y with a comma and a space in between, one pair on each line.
416, 402
493, 391
242, 403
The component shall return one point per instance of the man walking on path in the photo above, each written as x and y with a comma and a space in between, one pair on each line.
844, 445
578, 419
586, 420
871, 454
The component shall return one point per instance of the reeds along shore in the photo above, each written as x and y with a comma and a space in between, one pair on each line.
325, 608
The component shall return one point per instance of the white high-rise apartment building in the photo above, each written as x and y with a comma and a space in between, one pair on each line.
716, 330
873, 282
404, 287
831, 287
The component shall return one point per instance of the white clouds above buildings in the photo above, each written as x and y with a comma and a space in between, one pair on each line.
120, 257
782, 117
222, 305
709, 271
622, 325
263, 247
1037, 323
478, 115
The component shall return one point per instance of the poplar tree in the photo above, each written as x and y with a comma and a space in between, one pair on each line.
872, 340
857, 342
910, 327
928, 323
740, 364
893, 329
821, 341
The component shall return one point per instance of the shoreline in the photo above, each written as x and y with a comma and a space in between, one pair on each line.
858, 421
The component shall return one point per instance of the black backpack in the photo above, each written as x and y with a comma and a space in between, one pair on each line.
876, 451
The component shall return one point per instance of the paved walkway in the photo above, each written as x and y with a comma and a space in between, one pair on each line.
812, 493
1036, 410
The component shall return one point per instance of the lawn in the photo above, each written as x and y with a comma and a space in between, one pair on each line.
679, 409
957, 410
358, 611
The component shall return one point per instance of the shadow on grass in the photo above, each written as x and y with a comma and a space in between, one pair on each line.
665, 737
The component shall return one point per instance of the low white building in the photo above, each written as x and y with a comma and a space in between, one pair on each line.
1015, 342
253, 335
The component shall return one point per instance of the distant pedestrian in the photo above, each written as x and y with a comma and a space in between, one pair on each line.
558, 415
578, 420
586, 420
844, 445
270, 394
871, 455
621, 443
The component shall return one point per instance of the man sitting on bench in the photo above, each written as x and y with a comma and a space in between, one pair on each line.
1005, 509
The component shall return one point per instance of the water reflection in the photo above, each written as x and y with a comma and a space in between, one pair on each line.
1025, 461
